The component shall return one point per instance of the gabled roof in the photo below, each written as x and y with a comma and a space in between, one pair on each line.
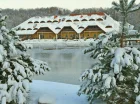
93, 24
67, 24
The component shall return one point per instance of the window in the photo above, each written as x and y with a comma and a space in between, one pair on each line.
66, 36
99, 19
108, 26
94, 36
42, 22
76, 20
49, 36
92, 20
84, 19
68, 21
55, 21
29, 29
18, 28
41, 36
23, 29
81, 27
57, 28
49, 21
36, 22
30, 22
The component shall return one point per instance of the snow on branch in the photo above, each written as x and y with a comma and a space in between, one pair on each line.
115, 73
17, 68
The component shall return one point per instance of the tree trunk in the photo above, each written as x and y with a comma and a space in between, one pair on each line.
123, 29
121, 41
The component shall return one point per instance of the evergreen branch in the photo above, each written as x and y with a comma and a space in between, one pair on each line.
122, 7
134, 9
126, 2
131, 4
116, 8
115, 4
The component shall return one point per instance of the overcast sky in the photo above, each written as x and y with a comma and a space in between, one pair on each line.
69, 4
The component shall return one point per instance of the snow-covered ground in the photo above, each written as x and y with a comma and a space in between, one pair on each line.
63, 93
51, 43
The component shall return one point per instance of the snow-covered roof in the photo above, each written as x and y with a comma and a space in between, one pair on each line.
31, 25
28, 32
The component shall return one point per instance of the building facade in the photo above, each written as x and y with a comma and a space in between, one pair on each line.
73, 26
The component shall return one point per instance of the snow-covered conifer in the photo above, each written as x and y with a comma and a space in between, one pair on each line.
16, 67
115, 77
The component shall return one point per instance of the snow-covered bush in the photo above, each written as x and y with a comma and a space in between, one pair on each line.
16, 67
115, 78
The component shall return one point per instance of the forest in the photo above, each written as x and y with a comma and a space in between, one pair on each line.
17, 16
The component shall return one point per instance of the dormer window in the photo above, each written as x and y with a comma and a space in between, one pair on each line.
23, 29
42, 22
18, 28
76, 20
92, 20
55, 21
36, 22
81, 27
68, 21
29, 29
49, 21
57, 28
99, 19
84, 19
108, 26
30, 22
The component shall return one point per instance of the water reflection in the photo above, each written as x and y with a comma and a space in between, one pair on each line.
66, 64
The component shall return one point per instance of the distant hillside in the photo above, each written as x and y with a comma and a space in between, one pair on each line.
15, 17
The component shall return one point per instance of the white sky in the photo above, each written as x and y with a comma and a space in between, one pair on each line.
69, 4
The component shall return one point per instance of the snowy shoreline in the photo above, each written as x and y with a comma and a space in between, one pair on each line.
59, 43
63, 93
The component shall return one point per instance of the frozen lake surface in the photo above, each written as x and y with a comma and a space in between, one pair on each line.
66, 64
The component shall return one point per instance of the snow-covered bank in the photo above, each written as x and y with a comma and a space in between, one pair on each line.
59, 43
63, 93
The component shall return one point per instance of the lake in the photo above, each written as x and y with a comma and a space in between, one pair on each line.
67, 64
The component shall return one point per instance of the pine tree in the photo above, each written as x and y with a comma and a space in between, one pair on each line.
115, 77
125, 7
16, 67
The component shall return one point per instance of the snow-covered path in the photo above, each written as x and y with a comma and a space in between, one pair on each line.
63, 93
